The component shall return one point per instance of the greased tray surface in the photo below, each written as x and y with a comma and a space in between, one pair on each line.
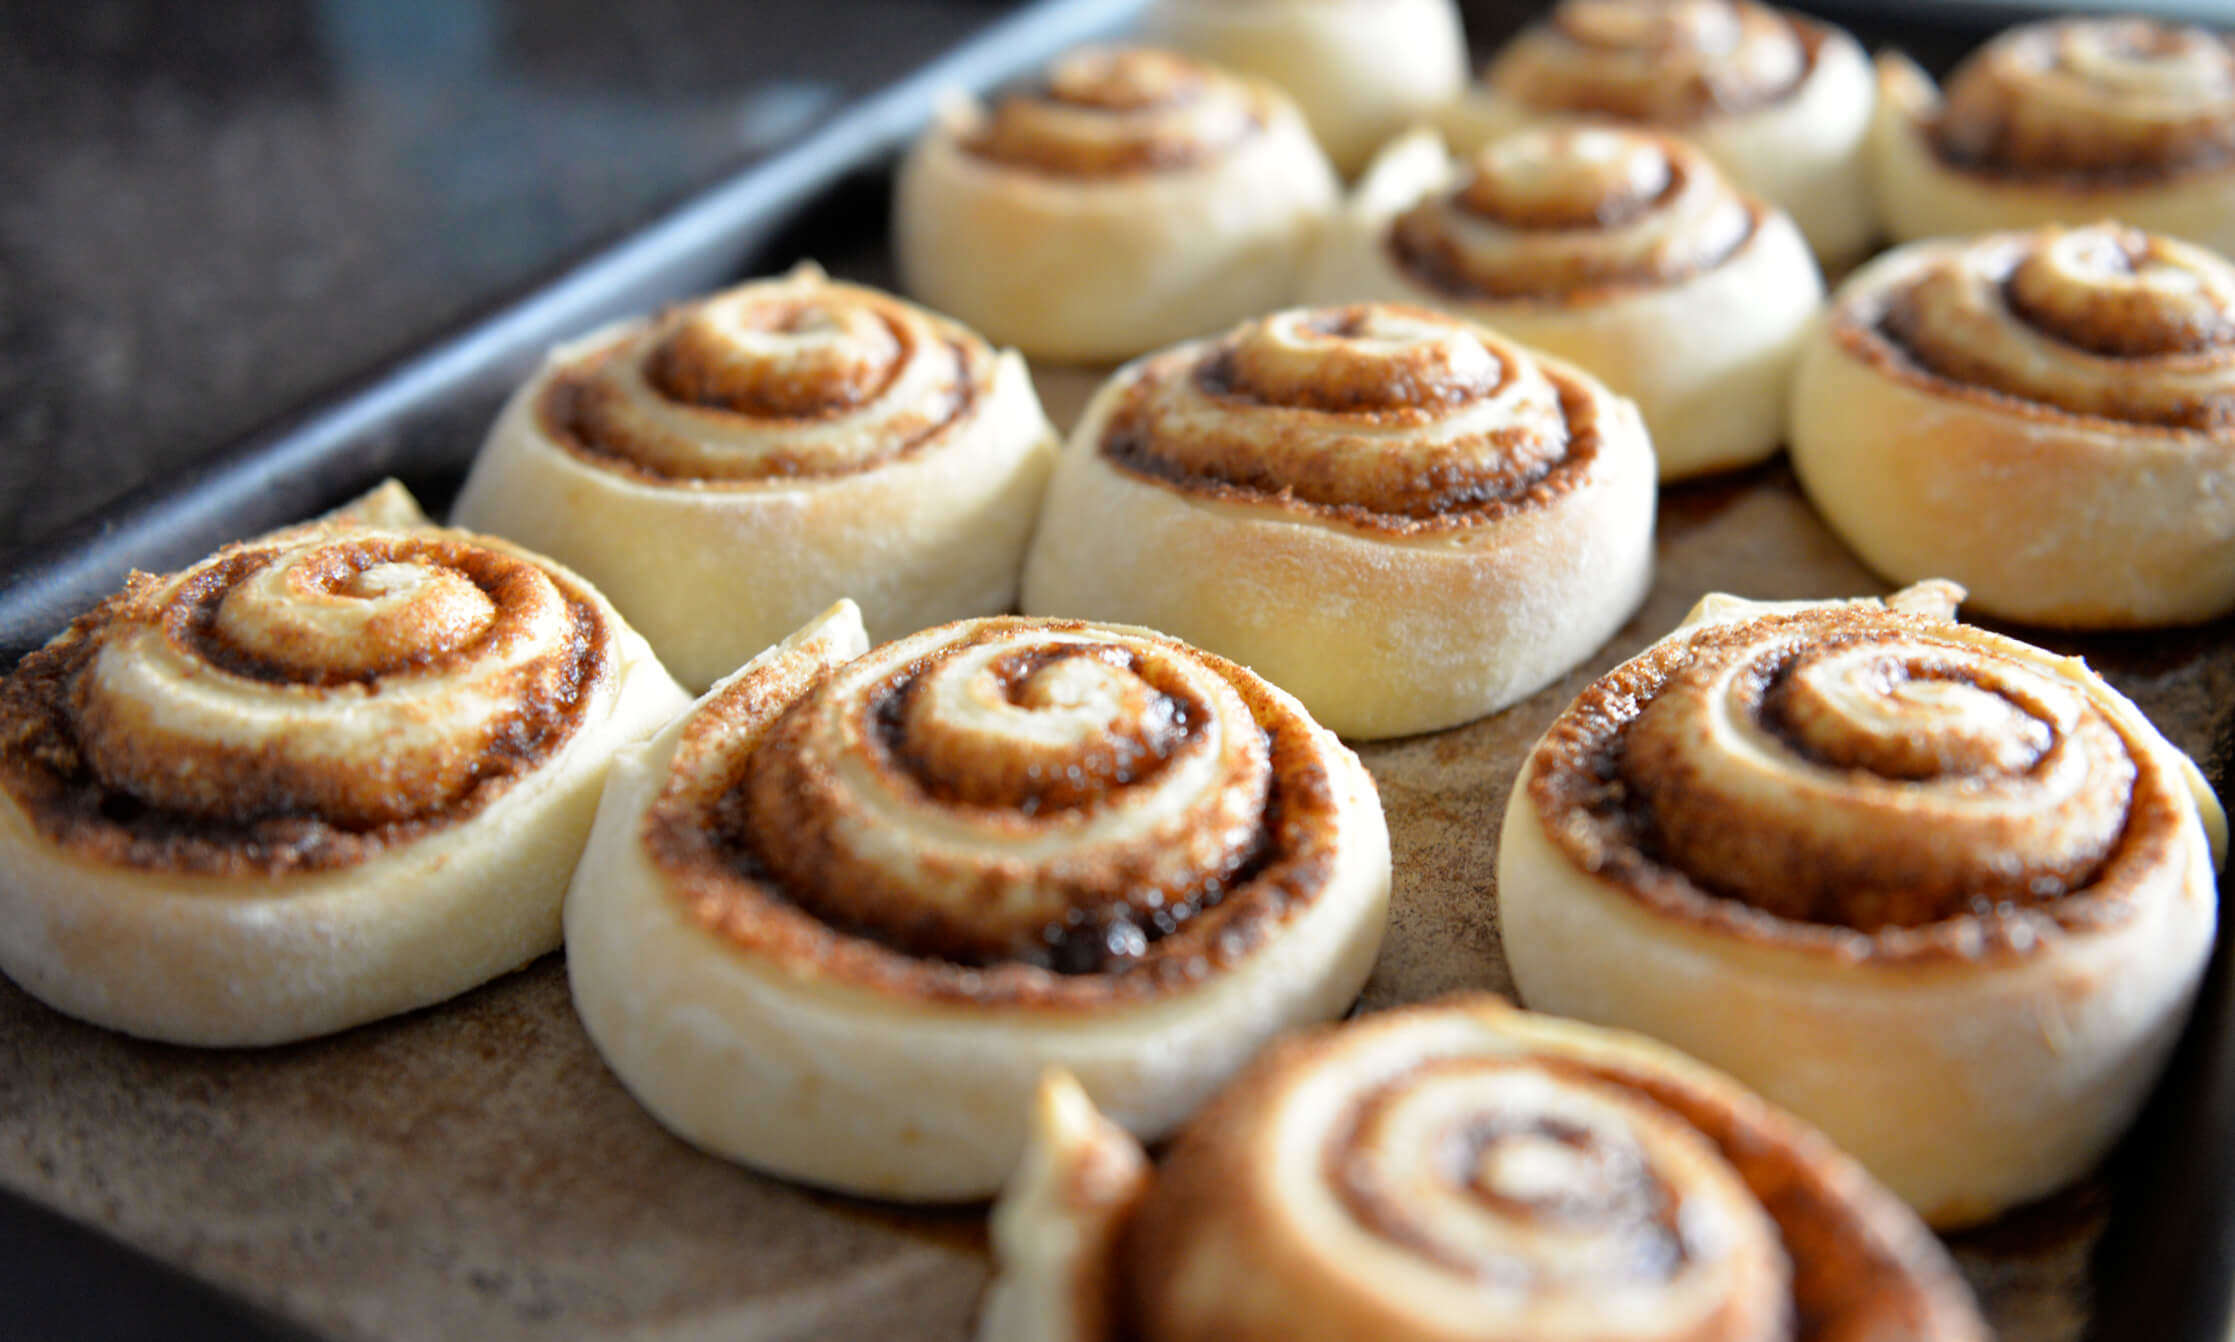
474, 1170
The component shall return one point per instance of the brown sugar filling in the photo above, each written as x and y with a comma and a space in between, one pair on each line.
1848, 1261
1644, 63
586, 411
1252, 463
1541, 262
1104, 114
46, 770
711, 837
1602, 814
2118, 355
2019, 110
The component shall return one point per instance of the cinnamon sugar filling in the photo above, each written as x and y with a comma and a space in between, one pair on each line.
1625, 812
1574, 216
584, 410
1667, 64
746, 846
262, 822
1106, 114
1488, 433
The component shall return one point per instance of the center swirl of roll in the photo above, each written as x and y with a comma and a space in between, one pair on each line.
1020, 794
1379, 414
2105, 321
778, 360
1561, 1197
1663, 62
1878, 777
1548, 212
2114, 97
1106, 112
769, 381
360, 680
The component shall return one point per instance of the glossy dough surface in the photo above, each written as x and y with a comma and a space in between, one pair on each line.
1397, 516
1782, 102
2069, 121
835, 922
1461, 1170
1943, 894
1137, 199
1624, 252
731, 467
1361, 70
319, 778
2047, 418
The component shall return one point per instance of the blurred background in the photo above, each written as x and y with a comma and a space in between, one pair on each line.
213, 212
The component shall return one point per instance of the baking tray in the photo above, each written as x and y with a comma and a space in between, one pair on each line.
473, 1170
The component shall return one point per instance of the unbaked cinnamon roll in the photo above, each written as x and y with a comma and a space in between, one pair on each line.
1625, 252
2048, 418
316, 779
1461, 1170
733, 466
2064, 122
835, 921
1782, 102
1137, 198
1395, 515
1940, 893
1361, 70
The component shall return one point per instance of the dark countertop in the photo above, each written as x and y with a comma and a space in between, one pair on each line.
213, 212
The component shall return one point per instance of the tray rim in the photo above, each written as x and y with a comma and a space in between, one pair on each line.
2165, 1266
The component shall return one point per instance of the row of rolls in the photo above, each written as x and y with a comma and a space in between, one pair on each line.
917, 899
2122, 117
1653, 190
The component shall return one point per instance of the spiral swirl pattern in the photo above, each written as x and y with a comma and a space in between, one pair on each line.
1768, 762
1482, 1165
1383, 417
1664, 62
2104, 321
1465, 1170
1107, 112
768, 382
2096, 98
1946, 895
292, 704
983, 803
2009, 788
1554, 211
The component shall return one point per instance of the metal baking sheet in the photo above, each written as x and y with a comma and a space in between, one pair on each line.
473, 1169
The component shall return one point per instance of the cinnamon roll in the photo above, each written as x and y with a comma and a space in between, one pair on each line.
1461, 1170
2047, 418
2064, 122
1361, 70
1782, 102
835, 921
1943, 894
731, 467
1137, 198
1395, 515
1625, 252
316, 779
